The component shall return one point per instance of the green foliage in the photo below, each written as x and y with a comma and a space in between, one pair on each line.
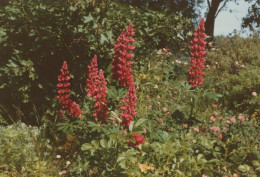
36, 36
233, 71
24, 151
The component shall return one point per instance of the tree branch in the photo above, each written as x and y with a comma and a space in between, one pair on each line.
224, 4
209, 3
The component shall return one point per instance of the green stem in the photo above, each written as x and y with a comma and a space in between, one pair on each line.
192, 107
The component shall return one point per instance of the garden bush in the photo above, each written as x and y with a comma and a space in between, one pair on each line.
36, 36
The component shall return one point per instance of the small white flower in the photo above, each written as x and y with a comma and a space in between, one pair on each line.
254, 94
68, 162
58, 156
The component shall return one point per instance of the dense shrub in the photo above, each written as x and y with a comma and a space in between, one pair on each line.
36, 36
233, 71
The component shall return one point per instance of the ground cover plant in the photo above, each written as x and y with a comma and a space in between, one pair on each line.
187, 110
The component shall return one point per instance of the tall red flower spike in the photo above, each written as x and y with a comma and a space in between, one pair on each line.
197, 53
63, 92
96, 88
100, 95
121, 66
92, 77
129, 106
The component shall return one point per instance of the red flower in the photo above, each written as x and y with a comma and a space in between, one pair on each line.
197, 53
121, 67
92, 77
63, 92
139, 139
96, 88
129, 107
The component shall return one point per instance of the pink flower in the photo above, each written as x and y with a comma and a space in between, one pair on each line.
63, 172
233, 120
204, 175
150, 106
168, 114
215, 106
185, 125
224, 128
215, 129
197, 53
121, 66
212, 119
196, 130
235, 175
91, 172
254, 94
220, 136
164, 109
215, 113
241, 118
225, 176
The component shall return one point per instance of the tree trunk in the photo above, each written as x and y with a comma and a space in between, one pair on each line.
210, 20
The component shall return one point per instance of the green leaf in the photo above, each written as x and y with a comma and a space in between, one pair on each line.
244, 168
95, 143
86, 147
104, 143
87, 19
103, 38
200, 156
131, 126
140, 121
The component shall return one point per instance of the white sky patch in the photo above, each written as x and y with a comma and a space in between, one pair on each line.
226, 21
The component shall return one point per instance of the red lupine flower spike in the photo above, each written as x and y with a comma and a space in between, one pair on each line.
96, 88
129, 107
92, 77
197, 53
63, 93
121, 66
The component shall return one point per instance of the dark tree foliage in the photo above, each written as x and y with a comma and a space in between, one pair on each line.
186, 7
36, 36
252, 20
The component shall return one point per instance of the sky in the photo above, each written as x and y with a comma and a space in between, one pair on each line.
227, 21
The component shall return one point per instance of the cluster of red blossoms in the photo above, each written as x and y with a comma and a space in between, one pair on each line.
96, 88
121, 66
129, 106
129, 112
96, 85
197, 53
63, 92
139, 139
